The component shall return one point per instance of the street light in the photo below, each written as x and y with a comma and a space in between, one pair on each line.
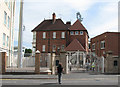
20, 35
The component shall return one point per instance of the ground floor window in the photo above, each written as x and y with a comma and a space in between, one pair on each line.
115, 63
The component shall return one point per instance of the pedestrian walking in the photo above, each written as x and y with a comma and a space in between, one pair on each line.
59, 71
93, 66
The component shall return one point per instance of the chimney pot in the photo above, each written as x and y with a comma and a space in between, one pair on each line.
54, 17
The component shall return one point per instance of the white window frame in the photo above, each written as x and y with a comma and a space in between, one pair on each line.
102, 44
76, 32
63, 35
71, 32
8, 22
81, 33
4, 39
5, 17
43, 48
54, 35
44, 35
93, 46
7, 41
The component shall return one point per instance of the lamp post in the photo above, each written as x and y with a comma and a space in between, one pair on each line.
20, 36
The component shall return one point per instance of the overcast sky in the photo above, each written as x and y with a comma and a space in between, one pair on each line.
99, 16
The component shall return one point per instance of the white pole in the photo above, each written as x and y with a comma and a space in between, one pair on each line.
67, 64
102, 64
20, 35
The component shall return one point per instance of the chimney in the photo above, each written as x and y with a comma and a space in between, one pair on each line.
68, 23
54, 17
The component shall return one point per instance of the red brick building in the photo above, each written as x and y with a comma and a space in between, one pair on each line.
51, 35
79, 32
54, 36
107, 45
105, 42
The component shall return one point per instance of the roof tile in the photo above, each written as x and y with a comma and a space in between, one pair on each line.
75, 45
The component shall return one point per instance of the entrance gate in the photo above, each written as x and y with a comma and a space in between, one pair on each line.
76, 60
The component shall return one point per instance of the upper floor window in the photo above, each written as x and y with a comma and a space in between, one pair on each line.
76, 32
81, 32
7, 41
4, 35
93, 46
54, 35
102, 44
43, 48
63, 35
8, 21
5, 18
9, 4
71, 33
44, 34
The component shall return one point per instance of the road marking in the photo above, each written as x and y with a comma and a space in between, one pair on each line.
12, 79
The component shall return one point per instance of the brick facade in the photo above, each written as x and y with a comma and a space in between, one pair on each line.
83, 39
107, 45
45, 31
111, 43
49, 41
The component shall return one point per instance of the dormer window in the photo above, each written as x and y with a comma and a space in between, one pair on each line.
81, 32
71, 33
76, 32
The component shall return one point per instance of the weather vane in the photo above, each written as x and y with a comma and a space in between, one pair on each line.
78, 15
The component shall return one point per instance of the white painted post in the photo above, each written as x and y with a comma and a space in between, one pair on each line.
67, 64
53, 63
84, 60
0, 63
78, 57
49, 61
102, 64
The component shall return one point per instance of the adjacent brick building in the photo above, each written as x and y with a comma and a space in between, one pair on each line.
105, 42
107, 45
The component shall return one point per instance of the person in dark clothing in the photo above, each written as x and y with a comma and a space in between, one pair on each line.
59, 71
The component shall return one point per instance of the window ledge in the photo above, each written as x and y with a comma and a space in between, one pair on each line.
102, 48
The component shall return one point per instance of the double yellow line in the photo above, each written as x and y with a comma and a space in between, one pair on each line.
12, 79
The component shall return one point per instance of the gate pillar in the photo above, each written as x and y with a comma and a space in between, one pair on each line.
37, 62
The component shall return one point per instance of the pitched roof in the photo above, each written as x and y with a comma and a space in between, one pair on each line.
49, 25
77, 26
75, 46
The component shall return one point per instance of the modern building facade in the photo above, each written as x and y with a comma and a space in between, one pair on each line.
7, 14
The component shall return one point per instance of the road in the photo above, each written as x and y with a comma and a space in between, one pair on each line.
67, 79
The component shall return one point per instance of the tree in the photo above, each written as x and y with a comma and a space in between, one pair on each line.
28, 51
